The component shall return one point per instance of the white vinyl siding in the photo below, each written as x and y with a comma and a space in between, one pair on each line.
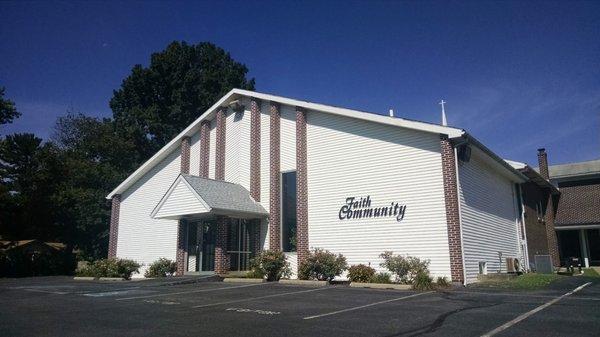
353, 158
195, 154
142, 238
288, 138
181, 201
488, 217
232, 147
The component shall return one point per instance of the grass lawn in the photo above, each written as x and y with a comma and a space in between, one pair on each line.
590, 272
530, 281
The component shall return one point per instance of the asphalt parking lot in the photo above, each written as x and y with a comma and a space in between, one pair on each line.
60, 306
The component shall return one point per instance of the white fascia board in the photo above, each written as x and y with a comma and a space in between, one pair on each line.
234, 93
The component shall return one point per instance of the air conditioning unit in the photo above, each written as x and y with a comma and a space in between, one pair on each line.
512, 265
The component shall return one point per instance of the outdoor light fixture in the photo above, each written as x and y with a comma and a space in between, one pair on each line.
236, 106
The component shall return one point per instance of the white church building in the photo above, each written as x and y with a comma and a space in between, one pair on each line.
258, 171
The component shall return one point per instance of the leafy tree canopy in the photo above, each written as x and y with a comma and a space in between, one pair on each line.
8, 111
156, 102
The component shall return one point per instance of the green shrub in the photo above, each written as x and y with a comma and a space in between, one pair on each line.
322, 265
360, 273
381, 278
404, 267
442, 282
112, 267
162, 267
423, 281
270, 264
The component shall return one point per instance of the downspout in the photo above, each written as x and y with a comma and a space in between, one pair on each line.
524, 227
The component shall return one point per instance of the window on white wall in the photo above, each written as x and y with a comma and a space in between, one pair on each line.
288, 211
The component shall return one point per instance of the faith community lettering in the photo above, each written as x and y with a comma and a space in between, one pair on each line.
360, 207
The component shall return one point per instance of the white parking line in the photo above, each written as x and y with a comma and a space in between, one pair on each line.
190, 292
260, 297
366, 305
531, 312
524, 296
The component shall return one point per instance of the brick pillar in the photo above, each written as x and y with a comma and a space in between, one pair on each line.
452, 213
220, 146
301, 187
221, 257
255, 149
549, 215
114, 226
204, 148
185, 155
275, 179
180, 255
181, 226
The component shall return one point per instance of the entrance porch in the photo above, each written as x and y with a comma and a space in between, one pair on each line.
218, 224
582, 243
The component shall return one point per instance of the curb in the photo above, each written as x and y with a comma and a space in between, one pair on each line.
84, 278
304, 283
243, 280
112, 279
380, 286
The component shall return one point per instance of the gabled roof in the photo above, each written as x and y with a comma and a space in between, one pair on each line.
533, 175
206, 196
235, 94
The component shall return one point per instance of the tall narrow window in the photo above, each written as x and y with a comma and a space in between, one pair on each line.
288, 211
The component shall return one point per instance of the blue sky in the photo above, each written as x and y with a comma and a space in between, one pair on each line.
517, 75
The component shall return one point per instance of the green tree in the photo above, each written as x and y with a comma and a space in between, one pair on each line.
8, 110
156, 102
95, 159
28, 178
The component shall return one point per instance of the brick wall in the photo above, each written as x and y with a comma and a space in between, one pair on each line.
301, 187
221, 256
275, 179
535, 228
180, 254
550, 209
452, 210
255, 149
204, 148
185, 155
114, 225
220, 146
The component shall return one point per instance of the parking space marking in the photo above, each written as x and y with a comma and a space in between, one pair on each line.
254, 311
531, 312
522, 295
367, 305
190, 292
261, 297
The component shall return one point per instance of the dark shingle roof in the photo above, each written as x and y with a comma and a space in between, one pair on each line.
579, 205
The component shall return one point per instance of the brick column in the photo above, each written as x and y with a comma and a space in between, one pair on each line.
301, 187
204, 148
452, 211
220, 146
181, 226
185, 155
221, 257
275, 179
114, 225
549, 215
180, 255
255, 149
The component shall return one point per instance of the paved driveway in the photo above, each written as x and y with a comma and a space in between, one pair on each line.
63, 307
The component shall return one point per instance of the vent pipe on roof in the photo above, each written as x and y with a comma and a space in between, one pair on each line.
391, 112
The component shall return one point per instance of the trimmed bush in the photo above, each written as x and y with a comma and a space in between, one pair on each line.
404, 267
322, 265
381, 278
360, 273
269, 264
442, 282
423, 281
112, 267
162, 267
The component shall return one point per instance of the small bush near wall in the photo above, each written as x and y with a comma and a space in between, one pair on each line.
423, 281
112, 267
360, 273
322, 265
269, 264
404, 267
442, 282
381, 278
162, 267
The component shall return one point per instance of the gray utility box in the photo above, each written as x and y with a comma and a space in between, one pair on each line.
543, 264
